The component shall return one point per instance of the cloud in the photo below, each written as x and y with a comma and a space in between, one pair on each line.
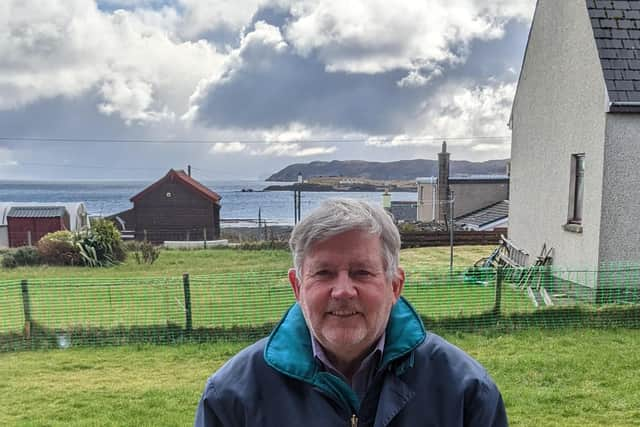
284, 149
228, 147
370, 36
67, 48
459, 110
461, 113
6, 158
417, 79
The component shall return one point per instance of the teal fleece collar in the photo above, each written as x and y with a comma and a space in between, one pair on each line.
289, 351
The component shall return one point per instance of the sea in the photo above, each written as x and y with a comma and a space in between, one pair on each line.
242, 203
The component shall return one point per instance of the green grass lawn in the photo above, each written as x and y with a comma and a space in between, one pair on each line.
240, 288
175, 262
562, 378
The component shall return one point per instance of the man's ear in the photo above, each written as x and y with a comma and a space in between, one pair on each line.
397, 283
295, 283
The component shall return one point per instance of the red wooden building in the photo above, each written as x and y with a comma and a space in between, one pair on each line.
26, 225
176, 207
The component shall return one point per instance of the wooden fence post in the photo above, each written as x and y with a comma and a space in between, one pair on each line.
187, 302
498, 298
145, 234
26, 306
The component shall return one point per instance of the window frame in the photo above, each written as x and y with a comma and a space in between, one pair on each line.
575, 214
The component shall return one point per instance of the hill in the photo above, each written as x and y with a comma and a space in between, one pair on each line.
401, 170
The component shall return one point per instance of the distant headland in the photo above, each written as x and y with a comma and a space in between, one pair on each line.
359, 175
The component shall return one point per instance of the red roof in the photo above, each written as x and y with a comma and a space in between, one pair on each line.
181, 176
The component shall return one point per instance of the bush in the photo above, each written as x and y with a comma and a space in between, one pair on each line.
101, 246
58, 248
144, 252
107, 235
9, 261
26, 256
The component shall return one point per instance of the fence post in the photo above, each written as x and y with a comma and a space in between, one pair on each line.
204, 235
187, 302
26, 306
498, 298
145, 234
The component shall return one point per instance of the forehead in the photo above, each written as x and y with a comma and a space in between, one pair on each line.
350, 247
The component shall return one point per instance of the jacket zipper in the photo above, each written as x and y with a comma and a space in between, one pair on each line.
354, 420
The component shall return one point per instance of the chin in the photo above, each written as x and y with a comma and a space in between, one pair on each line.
345, 338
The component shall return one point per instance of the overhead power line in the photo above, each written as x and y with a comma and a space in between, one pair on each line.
379, 139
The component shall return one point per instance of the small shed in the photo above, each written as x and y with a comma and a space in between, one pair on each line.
78, 216
174, 208
26, 225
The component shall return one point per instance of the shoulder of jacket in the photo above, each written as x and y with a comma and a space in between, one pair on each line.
446, 357
241, 366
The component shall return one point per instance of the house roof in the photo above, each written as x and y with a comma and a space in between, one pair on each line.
36, 212
616, 28
181, 176
76, 210
487, 215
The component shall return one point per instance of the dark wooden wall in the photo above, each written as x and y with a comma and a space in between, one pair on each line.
185, 215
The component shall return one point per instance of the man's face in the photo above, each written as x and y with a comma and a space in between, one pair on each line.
344, 293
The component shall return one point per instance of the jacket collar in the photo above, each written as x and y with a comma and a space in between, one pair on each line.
289, 350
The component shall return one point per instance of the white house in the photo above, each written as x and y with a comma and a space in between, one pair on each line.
576, 134
78, 217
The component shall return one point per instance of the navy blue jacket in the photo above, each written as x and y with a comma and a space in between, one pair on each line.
422, 380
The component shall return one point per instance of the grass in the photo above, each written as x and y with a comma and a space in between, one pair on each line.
560, 377
241, 288
175, 262
564, 377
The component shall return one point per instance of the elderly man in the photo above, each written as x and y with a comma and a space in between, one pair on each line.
351, 351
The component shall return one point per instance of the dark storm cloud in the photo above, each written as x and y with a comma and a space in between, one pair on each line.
287, 88
279, 88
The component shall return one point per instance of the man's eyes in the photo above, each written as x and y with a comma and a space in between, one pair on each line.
356, 273
362, 273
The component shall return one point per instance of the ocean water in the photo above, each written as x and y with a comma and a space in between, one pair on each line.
106, 198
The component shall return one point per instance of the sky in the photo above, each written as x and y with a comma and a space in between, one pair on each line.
238, 89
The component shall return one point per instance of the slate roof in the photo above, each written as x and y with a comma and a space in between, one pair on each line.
486, 215
36, 212
616, 28
404, 210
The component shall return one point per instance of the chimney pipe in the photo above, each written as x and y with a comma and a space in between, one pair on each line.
189, 170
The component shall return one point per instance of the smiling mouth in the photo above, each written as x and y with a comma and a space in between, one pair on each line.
343, 313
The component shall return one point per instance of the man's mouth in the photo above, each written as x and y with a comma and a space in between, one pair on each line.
343, 313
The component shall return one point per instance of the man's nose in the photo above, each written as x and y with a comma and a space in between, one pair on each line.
343, 286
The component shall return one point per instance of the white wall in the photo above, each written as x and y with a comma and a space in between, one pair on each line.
4, 236
620, 222
558, 111
426, 199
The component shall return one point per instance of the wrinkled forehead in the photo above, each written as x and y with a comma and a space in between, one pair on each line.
353, 249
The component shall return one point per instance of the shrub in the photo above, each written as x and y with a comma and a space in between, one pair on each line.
100, 246
108, 236
9, 261
26, 255
58, 248
144, 252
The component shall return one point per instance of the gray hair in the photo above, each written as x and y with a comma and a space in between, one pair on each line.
337, 216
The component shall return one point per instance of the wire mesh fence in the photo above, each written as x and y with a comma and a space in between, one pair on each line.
58, 313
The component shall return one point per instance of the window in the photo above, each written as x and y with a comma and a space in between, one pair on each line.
576, 193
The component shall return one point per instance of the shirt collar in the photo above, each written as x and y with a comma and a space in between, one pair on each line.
319, 353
